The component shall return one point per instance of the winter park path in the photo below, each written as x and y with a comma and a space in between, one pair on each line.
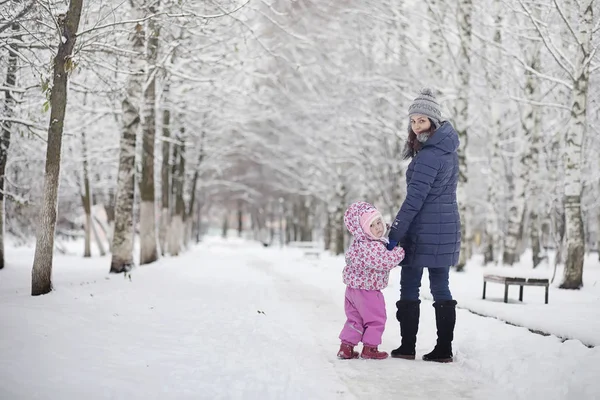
233, 320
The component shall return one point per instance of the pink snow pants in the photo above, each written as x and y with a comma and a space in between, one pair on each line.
365, 312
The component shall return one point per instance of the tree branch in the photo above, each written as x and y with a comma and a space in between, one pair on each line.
566, 21
23, 122
556, 54
523, 63
21, 13
167, 14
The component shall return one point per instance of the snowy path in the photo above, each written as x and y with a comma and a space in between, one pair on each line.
321, 319
190, 328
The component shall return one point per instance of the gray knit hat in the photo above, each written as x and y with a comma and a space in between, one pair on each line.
426, 104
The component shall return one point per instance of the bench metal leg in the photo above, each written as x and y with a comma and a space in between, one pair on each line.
484, 284
506, 292
547, 294
521, 293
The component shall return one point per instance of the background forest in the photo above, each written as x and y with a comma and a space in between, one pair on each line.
272, 116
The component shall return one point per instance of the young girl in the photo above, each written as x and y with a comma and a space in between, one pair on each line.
368, 265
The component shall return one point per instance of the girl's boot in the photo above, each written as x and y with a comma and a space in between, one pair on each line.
347, 352
371, 353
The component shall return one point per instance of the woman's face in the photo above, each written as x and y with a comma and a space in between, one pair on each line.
420, 124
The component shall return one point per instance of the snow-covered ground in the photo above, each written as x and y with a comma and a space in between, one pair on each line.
233, 320
569, 314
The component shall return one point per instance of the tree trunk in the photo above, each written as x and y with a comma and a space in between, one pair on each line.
192, 204
534, 237
198, 231
532, 125
87, 242
339, 233
515, 216
521, 169
41, 282
148, 244
492, 230
165, 215
328, 229
188, 222
304, 220
240, 219
281, 223
296, 221
9, 103
124, 232
289, 229
109, 208
436, 40
461, 114
488, 251
559, 236
271, 217
598, 236
576, 132
99, 243
338, 227
86, 198
397, 172
225, 226
534, 186
176, 232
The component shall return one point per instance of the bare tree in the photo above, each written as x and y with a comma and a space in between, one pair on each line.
176, 231
572, 155
192, 206
9, 104
122, 247
148, 244
86, 198
523, 161
461, 115
165, 215
41, 282
495, 75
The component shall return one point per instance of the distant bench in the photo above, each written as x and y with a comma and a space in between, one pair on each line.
308, 248
507, 281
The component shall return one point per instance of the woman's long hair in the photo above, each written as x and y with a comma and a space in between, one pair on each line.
412, 145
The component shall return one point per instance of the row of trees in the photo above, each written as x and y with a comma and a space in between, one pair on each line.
180, 114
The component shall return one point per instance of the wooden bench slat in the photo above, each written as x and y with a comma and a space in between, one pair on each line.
502, 279
537, 280
536, 284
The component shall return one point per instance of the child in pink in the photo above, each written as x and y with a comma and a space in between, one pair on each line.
368, 265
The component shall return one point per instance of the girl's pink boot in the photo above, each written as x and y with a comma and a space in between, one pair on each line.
371, 353
347, 352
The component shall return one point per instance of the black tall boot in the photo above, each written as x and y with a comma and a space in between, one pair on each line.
408, 315
445, 319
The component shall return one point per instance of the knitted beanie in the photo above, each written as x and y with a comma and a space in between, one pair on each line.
426, 104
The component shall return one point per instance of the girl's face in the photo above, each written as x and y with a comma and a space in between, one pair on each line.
377, 228
420, 124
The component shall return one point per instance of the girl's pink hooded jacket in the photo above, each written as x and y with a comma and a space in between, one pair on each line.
368, 262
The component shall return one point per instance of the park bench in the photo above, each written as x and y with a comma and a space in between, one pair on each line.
515, 281
308, 248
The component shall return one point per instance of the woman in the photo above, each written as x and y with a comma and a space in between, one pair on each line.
428, 226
